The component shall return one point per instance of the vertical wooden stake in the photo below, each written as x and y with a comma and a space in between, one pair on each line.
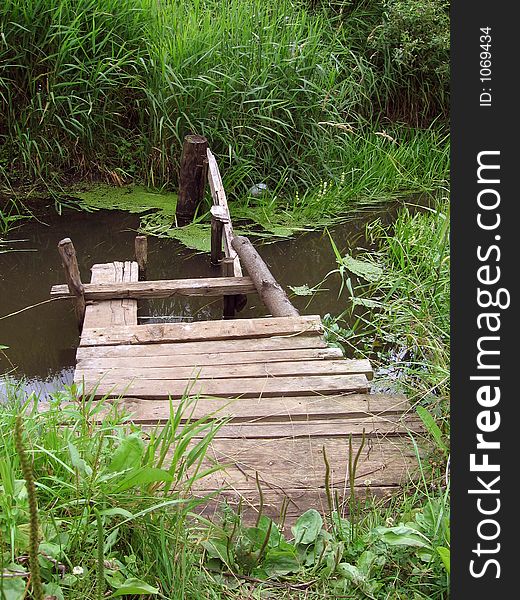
229, 301
141, 254
216, 241
70, 265
192, 177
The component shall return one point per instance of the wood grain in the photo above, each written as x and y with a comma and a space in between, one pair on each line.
167, 288
240, 346
242, 387
226, 371
108, 313
176, 359
201, 330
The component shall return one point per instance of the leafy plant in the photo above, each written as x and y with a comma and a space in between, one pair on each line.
99, 477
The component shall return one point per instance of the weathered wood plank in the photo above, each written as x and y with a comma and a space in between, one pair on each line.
372, 427
177, 348
206, 286
201, 330
265, 369
270, 410
243, 387
219, 199
107, 313
298, 462
175, 359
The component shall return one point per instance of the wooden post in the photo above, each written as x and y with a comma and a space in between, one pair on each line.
219, 216
192, 177
229, 301
141, 254
70, 265
216, 241
270, 292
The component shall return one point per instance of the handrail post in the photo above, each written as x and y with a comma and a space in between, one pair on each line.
227, 266
217, 230
72, 275
141, 255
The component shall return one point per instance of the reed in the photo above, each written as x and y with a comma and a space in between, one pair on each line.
284, 94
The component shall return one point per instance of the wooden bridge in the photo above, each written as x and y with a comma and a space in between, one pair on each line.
294, 404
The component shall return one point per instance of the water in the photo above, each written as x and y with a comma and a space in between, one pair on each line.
42, 340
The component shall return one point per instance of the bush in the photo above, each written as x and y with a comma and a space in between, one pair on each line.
411, 45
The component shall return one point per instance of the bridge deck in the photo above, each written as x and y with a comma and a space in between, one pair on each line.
288, 396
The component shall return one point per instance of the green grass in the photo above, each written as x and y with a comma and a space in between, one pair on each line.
105, 488
285, 95
114, 510
399, 301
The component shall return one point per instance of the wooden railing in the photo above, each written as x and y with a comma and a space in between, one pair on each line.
228, 252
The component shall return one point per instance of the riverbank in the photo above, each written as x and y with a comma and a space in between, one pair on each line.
296, 96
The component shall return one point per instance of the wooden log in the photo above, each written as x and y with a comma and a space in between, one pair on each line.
204, 286
269, 290
192, 177
141, 254
73, 278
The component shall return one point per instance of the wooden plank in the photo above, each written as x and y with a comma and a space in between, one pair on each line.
205, 286
372, 427
251, 346
174, 359
107, 313
201, 330
299, 463
219, 199
243, 387
269, 410
265, 369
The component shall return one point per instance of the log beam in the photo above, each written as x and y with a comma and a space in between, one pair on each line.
269, 290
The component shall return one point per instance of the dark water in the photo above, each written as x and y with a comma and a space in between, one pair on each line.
42, 340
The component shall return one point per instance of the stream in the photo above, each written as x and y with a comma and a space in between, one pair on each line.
42, 340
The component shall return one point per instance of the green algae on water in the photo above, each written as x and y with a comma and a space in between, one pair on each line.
133, 199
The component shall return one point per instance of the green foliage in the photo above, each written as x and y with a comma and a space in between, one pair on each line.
411, 47
402, 316
360, 559
110, 87
104, 486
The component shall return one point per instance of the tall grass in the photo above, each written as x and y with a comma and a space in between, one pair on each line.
399, 308
110, 87
107, 492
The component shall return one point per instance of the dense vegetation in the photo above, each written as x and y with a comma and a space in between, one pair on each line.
284, 91
330, 103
